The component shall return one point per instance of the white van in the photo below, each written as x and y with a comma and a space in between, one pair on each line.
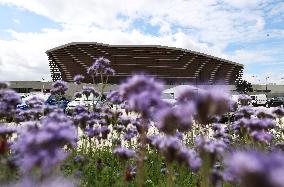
258, 100
169, 98
170, 95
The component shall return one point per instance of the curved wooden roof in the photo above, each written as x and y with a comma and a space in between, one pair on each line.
173, 65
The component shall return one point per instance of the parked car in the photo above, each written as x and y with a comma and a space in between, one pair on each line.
281, 98
26, 97
22, 106
275, 102
258, 100
85, 102
169, 98
62, 102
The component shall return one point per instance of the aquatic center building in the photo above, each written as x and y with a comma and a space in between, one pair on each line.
173, 65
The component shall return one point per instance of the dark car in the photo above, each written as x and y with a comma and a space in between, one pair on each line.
281, 98
275, 102
22, 106
61, 102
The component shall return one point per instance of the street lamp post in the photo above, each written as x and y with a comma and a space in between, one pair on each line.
42, 85
266, 83
254, 78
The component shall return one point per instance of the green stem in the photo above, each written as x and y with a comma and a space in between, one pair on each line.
170, 175
140, 164
205, 171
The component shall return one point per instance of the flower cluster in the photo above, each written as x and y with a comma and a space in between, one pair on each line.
258, 128
141, 93
100, 67
180, 118
59, 88
8, 102
41, 145
78, 79
209, 104
124, 153
254, 169
188, 141
88, 91
114, 97
244, 100
172, 149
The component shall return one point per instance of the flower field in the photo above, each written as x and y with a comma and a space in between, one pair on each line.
134, 138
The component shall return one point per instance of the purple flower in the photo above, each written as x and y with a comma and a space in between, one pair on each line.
8, 102
279, 112
118, 128
173, 150
91, 132
217, 127
244, 112
48, 181
79, 109
102, 62
35, 102
264, 114
141, 93
114, 97
189, 93
178, 118
42, 145
100, 66
169, 147
77, 94
51, 108
261, 136
255, 169
6, 131
244, 100
81, 119
104, 131
91, 70
179, 135
124, 120
260, 124
208, 103
78, 79
213, 148
124, 153
189, 158
129, 134
87, 91
59, 87
109, 71
79, 158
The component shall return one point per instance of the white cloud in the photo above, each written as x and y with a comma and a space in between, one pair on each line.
251, 56
17, 21
206, 25
26, 52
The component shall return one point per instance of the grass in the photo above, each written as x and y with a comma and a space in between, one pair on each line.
112, 171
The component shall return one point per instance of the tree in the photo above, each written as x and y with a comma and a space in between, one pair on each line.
243, 87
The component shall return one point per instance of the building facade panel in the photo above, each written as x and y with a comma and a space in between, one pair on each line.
173, 65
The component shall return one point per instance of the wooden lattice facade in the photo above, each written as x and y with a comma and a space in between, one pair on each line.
173, 65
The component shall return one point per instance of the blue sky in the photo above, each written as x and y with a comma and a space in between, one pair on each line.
247, 32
